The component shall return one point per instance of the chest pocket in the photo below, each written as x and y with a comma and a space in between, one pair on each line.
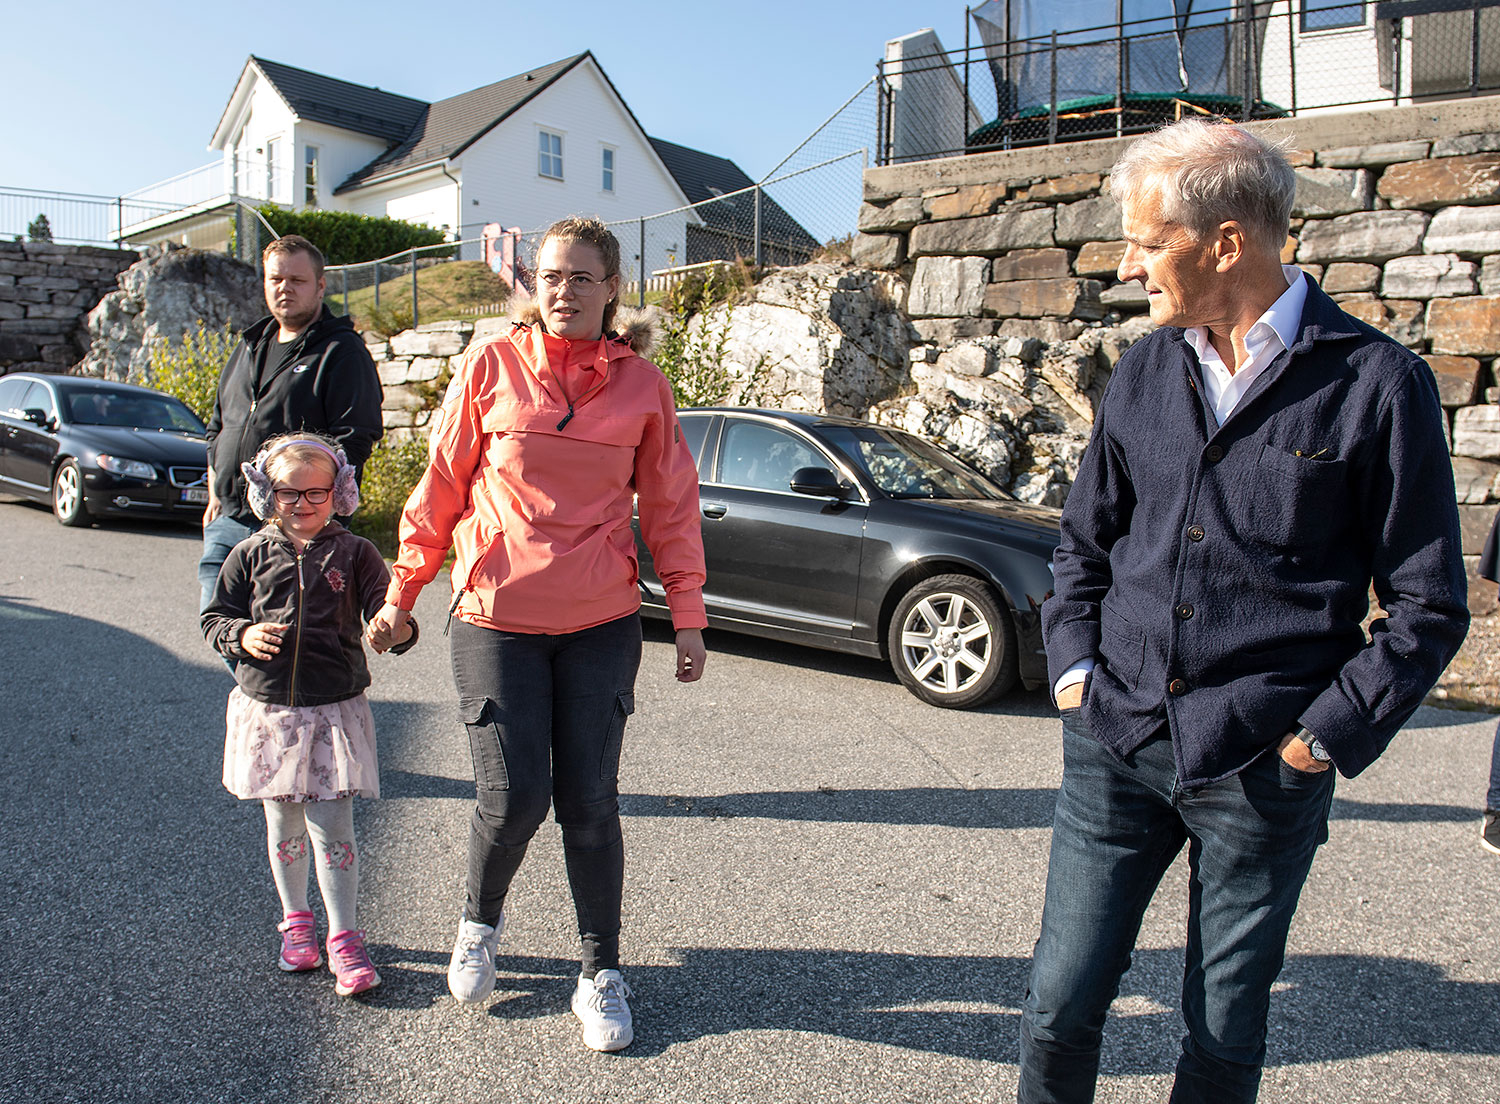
1296, 503
620, 430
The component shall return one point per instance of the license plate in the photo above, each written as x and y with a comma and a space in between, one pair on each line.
198, 495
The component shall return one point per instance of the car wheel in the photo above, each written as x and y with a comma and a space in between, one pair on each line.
952, 643
67, 495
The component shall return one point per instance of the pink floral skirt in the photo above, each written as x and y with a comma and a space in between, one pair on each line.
299, 752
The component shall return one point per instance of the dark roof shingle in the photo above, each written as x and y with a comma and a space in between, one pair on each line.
702, 176
355, 107
447, 127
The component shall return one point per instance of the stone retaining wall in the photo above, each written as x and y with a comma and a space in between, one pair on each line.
413, 363
46, 290
1397, 215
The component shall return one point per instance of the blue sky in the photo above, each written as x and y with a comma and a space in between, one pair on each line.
104, 98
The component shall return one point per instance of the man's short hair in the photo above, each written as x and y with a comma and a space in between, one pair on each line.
295, 243
1209, 172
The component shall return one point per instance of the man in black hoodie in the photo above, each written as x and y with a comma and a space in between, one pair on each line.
300, 370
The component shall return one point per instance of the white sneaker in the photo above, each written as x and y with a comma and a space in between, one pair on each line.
599, 1002
471, 971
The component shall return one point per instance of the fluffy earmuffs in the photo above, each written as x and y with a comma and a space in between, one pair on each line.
258, 489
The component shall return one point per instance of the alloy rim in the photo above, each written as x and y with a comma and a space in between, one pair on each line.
67, 490
946, 643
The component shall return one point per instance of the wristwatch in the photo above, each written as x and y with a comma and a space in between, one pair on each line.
1315, 746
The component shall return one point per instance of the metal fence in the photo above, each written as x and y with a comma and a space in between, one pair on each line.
1246, 61
73, 218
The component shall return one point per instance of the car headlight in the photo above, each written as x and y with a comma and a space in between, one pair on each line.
135, 469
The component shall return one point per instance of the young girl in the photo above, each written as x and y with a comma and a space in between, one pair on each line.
287, 610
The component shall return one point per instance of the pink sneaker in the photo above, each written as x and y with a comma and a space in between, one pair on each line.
353, 971
299, 943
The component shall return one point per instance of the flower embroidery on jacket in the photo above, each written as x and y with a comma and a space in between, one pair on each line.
335, 579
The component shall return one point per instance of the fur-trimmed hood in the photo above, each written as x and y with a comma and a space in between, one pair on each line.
636, 328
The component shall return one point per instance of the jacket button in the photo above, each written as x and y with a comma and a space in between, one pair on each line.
1184, 611
1214, 454
1177, 688
1195, 532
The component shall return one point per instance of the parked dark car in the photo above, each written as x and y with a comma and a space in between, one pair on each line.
92, 448
860, 538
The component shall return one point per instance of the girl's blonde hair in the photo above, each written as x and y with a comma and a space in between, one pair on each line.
291, 450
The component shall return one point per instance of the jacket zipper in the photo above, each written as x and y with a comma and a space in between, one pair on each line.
468, 586
297, 643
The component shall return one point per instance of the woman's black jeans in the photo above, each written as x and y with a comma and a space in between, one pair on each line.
545, 716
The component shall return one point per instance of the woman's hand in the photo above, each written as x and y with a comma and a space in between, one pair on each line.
690, 655
388, 628
263, 639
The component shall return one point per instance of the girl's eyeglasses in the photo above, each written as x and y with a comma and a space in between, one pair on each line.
288, 496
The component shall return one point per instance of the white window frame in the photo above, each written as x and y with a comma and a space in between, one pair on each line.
1304, 29
543, 156
608, 166
310, 155
272, 148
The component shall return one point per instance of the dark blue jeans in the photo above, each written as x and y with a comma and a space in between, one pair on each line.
545, 717
1492, 799
219, 536
1251, 840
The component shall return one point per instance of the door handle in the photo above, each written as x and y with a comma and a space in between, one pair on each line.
714, 510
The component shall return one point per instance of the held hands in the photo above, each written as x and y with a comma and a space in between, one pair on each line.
388, 628
263, 639
691, 655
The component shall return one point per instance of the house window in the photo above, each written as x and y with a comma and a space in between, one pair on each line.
1322, 15
273, 149
310, 177
549, 160
609, 170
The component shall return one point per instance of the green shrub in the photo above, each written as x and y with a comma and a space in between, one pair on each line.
347, 238
692, 347
190, 370
390, 473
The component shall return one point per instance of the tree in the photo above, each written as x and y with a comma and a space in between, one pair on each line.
40, 230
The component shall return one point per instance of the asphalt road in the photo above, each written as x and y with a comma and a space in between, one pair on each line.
832, 889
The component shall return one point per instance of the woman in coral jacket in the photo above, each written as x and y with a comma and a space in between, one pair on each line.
546, 434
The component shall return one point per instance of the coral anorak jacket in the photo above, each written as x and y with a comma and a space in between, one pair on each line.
542, 446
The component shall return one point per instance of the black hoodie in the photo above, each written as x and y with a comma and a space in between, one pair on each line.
326, 384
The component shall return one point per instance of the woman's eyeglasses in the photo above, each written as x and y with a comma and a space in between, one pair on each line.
581, 282
288, 496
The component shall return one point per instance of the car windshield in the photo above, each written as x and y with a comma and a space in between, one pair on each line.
107, 407
903, 466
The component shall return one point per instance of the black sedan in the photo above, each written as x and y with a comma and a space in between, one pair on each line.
91, 448
859, 538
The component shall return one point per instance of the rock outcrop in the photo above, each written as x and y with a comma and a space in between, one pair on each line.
161, 298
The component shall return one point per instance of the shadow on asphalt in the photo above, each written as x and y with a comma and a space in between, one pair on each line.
909, 1001
943, 807
1395, 813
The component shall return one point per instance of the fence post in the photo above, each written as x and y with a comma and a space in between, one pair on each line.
344, 272
119, 221
377, 285
640, 267
1052, 96
414, 287
757, 227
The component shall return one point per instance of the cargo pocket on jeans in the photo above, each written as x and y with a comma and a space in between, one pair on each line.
609, 764
478, 716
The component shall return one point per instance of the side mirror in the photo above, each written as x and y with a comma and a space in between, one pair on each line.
35, 415
818, 481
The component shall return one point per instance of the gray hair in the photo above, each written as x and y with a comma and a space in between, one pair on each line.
1208, 173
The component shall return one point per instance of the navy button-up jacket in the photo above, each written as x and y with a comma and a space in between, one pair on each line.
1219, 575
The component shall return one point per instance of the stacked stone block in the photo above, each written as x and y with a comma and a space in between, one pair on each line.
46, 291
1403, 233
415, 364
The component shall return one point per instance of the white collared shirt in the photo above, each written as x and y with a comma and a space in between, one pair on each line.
1273, 332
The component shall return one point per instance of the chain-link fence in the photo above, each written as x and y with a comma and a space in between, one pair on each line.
1247, 61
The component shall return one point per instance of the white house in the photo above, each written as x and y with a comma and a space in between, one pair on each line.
522, 152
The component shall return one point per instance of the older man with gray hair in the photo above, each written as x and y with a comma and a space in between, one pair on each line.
1258, 462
